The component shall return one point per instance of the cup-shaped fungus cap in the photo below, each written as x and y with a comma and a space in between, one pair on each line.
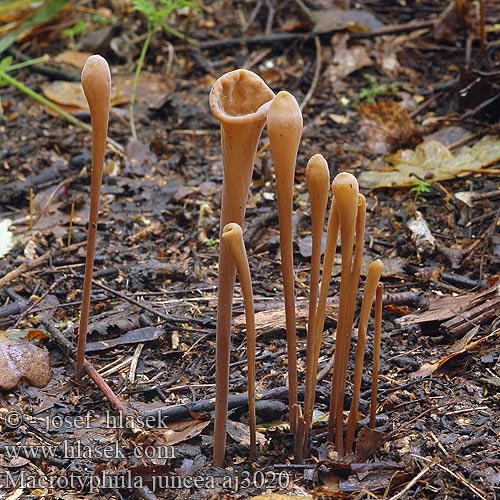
238, 96
239, 100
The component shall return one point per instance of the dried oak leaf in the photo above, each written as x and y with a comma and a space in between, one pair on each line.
22, 360
433, 162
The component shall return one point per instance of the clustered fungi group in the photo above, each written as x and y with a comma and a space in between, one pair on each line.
244, 104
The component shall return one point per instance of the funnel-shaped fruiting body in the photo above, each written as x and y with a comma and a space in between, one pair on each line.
318, 185
96, 82
284, 128
239, 100
372, 280
233, 238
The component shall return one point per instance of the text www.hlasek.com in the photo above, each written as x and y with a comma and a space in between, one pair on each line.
81, 451
234, 483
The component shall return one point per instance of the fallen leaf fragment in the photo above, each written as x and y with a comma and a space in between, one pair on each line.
368, 442
21, 360
336, 19
432, 161
387, 126
152, 90
346, 60
137, 336
240, 433
178, 432
444, 308
428, 368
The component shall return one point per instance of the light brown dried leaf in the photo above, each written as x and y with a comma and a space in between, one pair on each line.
433, 162
21, 360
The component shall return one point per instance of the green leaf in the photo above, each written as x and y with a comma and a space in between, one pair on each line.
48, 10
5, 63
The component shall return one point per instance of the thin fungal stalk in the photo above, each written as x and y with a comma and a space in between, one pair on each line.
239, 100
232, 236
348, 313
318, 184
96, 82
328, 259
372, 281
284, 128
376, 352
346, 190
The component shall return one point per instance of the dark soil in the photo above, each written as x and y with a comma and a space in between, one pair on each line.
158, 246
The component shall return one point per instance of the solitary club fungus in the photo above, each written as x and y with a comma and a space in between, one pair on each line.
96, 82
284, 128
239, 100
232, 236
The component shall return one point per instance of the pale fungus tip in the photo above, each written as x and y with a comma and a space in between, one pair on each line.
96, 70
231, 228
377, 266
346, 185
317, 169
345, 178
285, 105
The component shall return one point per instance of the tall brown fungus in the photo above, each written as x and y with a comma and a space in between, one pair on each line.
318, 185
232, 236
239, 100
96, 82
284, 128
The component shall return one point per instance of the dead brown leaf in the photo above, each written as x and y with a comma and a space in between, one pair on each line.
21, 360
367, 443
428, 368
433, 162
386, 126
179, 432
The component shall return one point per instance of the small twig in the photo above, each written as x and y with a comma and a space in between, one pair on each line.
474, 489
133, 364
396, 28
160, 314
317, 71
407, 488
180, 412
227, 42
397, 431
68, 347
29, 266
36, 302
